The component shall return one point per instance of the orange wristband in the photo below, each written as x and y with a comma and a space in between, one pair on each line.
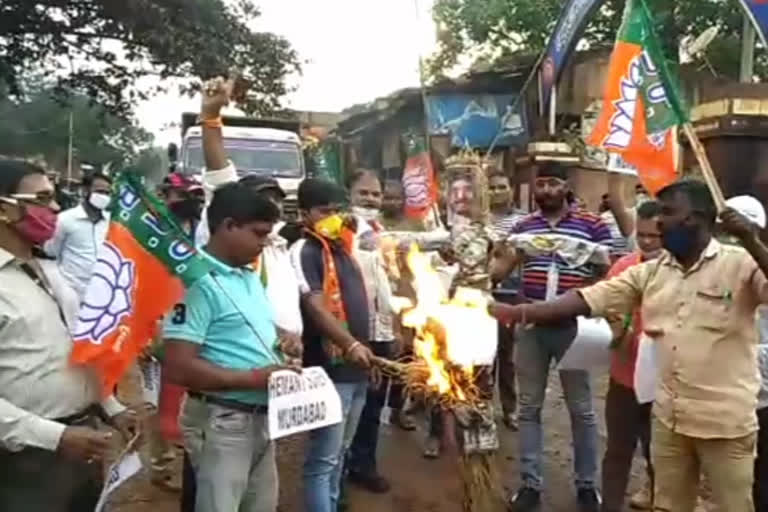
215, 122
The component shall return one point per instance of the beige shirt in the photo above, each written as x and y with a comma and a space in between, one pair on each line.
37, 382
703, 323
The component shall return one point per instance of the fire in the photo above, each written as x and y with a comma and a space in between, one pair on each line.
447, 331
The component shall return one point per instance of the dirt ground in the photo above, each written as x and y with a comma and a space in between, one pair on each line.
418, 485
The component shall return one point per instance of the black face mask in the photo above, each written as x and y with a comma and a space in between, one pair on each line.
187, 209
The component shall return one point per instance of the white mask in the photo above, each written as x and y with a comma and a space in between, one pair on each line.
99, 201
367, 214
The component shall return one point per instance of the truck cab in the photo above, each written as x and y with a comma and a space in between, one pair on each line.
255, 146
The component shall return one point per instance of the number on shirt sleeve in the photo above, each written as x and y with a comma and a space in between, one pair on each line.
179, 315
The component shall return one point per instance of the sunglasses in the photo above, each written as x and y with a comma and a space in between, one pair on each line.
41, 198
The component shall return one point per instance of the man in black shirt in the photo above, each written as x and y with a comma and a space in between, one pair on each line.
336, 331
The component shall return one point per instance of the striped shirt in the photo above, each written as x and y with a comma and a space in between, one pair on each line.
576, 223
502, 224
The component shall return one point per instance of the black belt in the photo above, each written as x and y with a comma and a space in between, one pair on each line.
91, 412
231, 404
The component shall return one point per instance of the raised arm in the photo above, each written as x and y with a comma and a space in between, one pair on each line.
624, 219
216, 95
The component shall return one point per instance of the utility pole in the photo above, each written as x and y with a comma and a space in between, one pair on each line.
748, 36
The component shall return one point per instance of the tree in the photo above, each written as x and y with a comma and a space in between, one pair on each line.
39, 128
499, 28
103, 48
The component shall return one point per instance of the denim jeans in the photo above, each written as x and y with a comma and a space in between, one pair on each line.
327, 449
362, 453
232, 456
536, 349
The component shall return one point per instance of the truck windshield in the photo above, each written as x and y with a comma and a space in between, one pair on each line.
277, 159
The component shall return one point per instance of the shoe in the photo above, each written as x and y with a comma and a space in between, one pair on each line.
527, 499
374, 482
589, 500
510, 421
432, 448
405, 421
641, 500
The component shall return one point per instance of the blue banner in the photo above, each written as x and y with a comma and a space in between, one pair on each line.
567, 33
757, 10
474, 120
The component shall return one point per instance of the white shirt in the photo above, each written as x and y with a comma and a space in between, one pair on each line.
37, 382
75, 245
282, 284
377, 285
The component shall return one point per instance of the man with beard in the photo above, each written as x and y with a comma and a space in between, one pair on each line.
546, 275
698, 305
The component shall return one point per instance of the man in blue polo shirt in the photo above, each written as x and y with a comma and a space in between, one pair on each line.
221, 345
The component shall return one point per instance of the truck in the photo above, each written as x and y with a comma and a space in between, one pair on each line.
267, 147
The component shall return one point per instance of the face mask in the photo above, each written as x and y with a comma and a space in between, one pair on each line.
187, 209
99, 201
37, 225
642, 198
679, 240
330, 227
366, 213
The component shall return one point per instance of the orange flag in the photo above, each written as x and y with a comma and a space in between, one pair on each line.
141, 272
641, 108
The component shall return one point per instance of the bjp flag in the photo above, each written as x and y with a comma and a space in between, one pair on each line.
142, 270
641, 106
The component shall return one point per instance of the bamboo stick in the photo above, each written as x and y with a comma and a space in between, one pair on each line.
706, 167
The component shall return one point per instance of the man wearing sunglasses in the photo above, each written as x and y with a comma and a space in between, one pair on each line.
80, 232
546, 275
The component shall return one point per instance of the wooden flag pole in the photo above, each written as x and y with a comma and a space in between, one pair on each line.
706, 167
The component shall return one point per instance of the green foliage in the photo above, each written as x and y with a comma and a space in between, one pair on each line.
104, 48
38, 127
504, 27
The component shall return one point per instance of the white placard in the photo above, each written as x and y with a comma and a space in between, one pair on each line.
591, 348
646, 370
301, 402
151, 372
123, 469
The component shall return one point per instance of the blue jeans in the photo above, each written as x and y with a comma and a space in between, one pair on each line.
535, 349
327, 449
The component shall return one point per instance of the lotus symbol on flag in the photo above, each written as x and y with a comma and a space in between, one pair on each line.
108, 297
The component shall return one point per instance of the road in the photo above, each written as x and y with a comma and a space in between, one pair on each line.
418, 485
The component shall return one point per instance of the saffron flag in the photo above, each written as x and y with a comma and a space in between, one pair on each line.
419, 185
141, 272
641, 107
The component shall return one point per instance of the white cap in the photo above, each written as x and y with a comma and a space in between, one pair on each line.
749, 207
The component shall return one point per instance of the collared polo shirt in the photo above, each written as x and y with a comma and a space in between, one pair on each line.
75, 245
228, 314
575, 223
703, 323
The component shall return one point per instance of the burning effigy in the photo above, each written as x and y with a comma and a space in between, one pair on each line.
454, 342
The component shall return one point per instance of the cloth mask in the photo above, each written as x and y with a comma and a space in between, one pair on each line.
330, 227
98, 200
187, 209
37, 225
366, 213
679, 240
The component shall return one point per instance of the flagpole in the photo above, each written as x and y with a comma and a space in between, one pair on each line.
553, 109
748, 37
706, 167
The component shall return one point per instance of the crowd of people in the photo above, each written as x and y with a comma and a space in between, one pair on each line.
322, 295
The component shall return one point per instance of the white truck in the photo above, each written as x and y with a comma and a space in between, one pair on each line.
267, 147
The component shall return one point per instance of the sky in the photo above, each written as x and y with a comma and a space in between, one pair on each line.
354, 51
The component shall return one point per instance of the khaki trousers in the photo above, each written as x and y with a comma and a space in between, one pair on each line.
728, 465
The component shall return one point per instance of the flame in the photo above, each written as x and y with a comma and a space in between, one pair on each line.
444, 329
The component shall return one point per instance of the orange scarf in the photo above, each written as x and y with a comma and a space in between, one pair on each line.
331, 287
